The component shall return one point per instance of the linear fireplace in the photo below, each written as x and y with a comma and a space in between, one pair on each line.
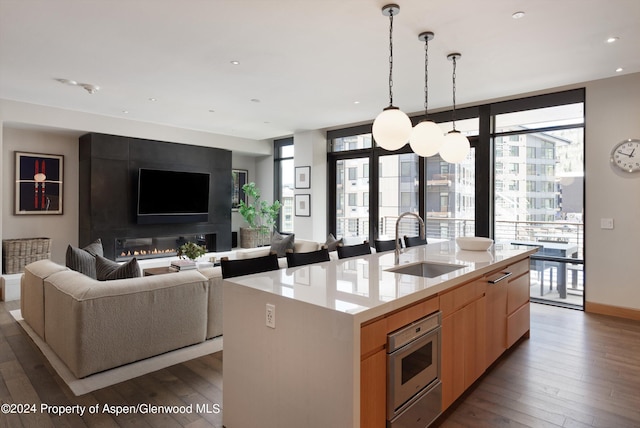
165, 246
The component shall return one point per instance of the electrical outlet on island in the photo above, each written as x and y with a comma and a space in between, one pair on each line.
271, 315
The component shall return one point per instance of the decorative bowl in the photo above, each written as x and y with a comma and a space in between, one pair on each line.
474, 243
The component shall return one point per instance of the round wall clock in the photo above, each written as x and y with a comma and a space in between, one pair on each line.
626, 155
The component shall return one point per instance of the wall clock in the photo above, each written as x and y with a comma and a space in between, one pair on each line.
626, 155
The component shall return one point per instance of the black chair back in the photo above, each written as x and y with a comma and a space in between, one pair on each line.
233, 268
385, 245
300, 259
413, 241
345, 251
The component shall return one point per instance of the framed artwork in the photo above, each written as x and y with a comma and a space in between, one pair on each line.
38, 183
240, 178
303, 205
303, 177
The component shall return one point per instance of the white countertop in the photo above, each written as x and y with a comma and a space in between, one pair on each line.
363, 286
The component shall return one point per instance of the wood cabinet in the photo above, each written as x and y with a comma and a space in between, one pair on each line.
373, 390
373, 359
518, 310
480, 320
507, 308
463, 339
496, 324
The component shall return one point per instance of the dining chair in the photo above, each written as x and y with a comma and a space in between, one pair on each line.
233, 268
345, 251
385, 245
412, 241
300, 259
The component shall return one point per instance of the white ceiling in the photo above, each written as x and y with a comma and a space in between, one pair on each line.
306, 61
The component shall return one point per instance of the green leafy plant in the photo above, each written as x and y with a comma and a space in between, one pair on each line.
191, 250
258, 214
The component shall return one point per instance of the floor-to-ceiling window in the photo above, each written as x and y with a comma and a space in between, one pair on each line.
450, 189
522, 182
351, 180
284, 182
539, 194
374, 186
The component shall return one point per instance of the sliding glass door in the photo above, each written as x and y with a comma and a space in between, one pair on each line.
539, 195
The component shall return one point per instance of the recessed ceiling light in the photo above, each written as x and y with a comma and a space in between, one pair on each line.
619, 69
125, 111
356, 102
67, 82
153, 99
255, 100
518, 15
212, 111
613, 39
92, 89
235, 62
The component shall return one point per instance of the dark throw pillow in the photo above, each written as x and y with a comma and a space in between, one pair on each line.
107, 270
281, 243
332, 243
83, 260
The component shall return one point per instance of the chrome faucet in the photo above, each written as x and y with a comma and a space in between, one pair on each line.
422, 232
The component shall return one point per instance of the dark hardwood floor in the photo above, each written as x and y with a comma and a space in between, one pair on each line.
576, 370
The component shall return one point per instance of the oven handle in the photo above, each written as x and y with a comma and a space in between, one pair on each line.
505, 276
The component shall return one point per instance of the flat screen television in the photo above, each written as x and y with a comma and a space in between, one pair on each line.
166, 196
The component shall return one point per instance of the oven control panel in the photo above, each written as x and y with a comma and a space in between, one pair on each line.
411, 332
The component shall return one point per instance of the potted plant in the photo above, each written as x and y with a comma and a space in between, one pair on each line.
259, 215
191, 250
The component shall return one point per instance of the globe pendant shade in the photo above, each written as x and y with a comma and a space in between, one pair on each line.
426, 138
456, 147
391, 129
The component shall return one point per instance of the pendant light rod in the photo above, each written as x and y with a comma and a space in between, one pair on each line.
426, 37
454, 57
456, 146
391, 128
391, 10
426, 137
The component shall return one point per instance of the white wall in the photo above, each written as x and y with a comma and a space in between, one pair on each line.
13, 113
310, 149
611, 256
62, 229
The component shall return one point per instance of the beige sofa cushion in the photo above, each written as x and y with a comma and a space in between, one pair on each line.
94, 326
302, 246
299, 246
32, 292
214, 316
249, 253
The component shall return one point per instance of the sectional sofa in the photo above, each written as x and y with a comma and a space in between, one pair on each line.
94, 325
98, 325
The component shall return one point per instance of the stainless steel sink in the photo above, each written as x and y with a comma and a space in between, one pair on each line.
426, 269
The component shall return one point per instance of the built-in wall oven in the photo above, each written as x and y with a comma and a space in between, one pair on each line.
414, 390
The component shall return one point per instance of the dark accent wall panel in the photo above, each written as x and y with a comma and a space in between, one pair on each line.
108, 171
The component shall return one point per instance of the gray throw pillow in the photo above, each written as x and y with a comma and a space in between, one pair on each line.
281, 243
107, 270
83, 260
332, 243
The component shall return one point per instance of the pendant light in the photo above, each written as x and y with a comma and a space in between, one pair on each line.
426, 137
392, 127
456, 146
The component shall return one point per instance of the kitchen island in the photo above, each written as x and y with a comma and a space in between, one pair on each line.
318, 359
